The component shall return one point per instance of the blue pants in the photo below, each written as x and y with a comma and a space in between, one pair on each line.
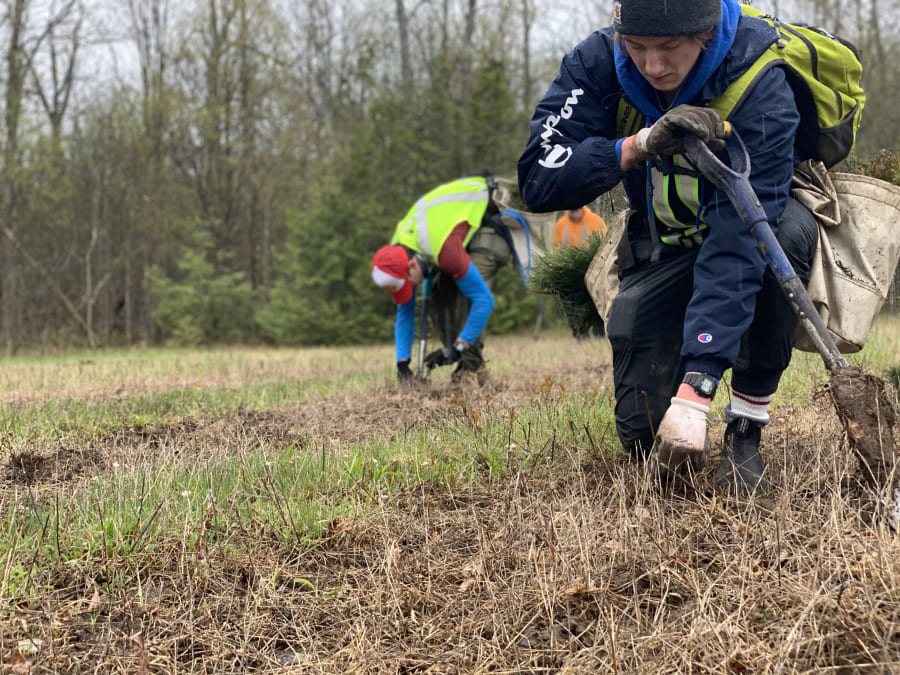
646, 324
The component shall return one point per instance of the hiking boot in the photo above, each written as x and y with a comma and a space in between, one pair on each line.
470, 367
482, 375
459, 374
463, 375
741, 470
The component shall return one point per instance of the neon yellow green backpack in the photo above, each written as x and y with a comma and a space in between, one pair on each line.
824, 72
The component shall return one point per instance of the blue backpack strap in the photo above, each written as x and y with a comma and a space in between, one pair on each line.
524, 266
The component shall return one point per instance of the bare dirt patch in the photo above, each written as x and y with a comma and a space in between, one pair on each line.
865, 407
60, 465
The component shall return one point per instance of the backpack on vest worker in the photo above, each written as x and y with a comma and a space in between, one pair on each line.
824, 73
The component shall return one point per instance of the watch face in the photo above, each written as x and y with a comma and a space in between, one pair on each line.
705, 385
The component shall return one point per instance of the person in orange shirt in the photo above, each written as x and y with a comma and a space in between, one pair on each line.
574, 228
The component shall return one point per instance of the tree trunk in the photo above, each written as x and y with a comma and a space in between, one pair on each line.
50, 282
527, 19
403, 35
16, 69
150, 32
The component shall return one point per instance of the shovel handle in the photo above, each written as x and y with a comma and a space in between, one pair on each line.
733, 180
423, 326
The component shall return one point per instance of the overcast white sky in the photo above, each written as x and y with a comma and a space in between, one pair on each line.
561, 25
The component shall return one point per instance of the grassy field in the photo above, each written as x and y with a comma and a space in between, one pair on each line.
293, 511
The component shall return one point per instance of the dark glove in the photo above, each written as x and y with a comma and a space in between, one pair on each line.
444, 356
404, 374
663, 137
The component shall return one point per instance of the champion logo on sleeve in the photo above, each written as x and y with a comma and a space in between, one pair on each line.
705, 338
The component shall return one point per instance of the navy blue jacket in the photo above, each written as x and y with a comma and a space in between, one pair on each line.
571, 158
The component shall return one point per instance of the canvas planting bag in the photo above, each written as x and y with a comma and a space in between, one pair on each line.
602, 276
859, 246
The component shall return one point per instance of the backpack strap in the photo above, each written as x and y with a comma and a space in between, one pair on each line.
729, 100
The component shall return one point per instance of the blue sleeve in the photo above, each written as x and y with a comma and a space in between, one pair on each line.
473, 287
619, 151
405, 329
728, 273
571, 156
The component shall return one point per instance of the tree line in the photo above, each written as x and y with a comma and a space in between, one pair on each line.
234, 186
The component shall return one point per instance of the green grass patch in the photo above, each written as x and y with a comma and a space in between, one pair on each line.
232, 494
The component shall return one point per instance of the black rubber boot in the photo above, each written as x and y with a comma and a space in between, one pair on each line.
741, 470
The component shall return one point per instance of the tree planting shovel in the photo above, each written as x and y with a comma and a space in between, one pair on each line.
423, 328
860, 399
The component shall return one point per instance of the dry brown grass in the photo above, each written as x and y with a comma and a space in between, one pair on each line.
582, 567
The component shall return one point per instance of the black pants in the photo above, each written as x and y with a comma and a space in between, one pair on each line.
646, 325
489, 252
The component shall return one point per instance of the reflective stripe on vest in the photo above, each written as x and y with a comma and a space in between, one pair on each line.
676, 204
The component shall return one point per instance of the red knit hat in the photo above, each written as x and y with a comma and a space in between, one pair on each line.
390, 269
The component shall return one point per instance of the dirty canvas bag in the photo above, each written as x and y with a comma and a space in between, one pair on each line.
859, 246
602, 276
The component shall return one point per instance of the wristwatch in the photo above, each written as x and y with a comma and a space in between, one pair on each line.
705, 385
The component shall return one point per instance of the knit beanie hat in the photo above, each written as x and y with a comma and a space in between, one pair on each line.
652, 18
389, 270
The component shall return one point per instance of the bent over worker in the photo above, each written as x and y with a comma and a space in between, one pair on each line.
457, 236
695, 297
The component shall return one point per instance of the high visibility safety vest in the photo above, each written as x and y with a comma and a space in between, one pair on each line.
676, 196
432, 218
677, 203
